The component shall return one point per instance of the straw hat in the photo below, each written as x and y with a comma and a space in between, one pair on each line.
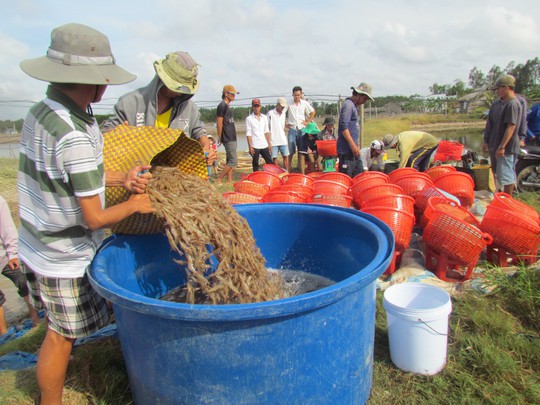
178, 71
77, 54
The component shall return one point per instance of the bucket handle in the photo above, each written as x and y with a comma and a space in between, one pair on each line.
438, 333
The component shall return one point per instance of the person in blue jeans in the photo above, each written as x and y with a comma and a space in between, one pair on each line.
348, 130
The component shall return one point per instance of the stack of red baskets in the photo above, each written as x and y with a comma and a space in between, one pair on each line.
402, 171
388, 203
413, 183
452, 246
234, 197
515, 228
335, 192
449, 207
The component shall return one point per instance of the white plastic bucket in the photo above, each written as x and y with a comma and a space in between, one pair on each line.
417, 316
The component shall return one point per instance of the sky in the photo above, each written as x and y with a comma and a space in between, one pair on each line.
265, 48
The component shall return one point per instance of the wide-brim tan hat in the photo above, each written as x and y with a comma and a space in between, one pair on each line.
364, 88
77, 54
178, 71
389, 141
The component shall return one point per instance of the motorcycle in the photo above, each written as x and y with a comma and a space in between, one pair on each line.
528, 169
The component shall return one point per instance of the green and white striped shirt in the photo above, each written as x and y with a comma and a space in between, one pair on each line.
61, 159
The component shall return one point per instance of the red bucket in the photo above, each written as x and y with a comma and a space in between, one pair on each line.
327, 148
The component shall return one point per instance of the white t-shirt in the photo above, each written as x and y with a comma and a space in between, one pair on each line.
367, 160
297, 114
256, 128
276, 122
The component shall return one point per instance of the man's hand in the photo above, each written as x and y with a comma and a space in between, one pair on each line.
144, 205
13, 263
137, 179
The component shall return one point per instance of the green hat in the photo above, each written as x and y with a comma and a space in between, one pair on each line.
311, 128
505, 80
78, 54
178, 71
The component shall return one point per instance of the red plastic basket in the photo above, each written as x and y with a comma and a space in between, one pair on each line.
449, 207
369, 175
336, 200
270, 179
361, 185
270, 168
338, 177
459, 240
297, 178
250, 187
284, 197
241, 198
400, 222
401, 202
412, 184
396, 174
437, 171
329, 187
425, 194
315, 175
505, 201
304, 191
458, 184
378, 190
327, 148
517, 233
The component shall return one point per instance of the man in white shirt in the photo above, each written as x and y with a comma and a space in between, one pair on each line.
299, 114
278, 137
258, 135
375, 152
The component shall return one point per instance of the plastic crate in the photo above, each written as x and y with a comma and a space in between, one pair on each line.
413, 184
297, 178
270, 179
437, 171
329, 187
375, 191
250, 187
505, 201
398, 201
403, 171
338, 177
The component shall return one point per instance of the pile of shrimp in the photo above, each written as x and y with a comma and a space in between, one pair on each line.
203, 228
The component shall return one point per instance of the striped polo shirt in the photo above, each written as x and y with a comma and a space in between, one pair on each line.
61, 159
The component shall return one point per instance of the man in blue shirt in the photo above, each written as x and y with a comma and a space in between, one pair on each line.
347, 144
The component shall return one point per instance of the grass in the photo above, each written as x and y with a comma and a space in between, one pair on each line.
493, 352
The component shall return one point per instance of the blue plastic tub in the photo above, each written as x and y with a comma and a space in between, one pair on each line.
316, 348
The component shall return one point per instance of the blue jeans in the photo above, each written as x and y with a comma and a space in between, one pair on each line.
293, 136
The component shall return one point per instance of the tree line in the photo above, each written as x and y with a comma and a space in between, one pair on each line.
527, 83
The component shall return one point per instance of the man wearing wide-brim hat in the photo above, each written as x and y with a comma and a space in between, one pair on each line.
348, 130
61, 183
166, 102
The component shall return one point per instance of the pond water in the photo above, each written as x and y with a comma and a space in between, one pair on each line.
472, 138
